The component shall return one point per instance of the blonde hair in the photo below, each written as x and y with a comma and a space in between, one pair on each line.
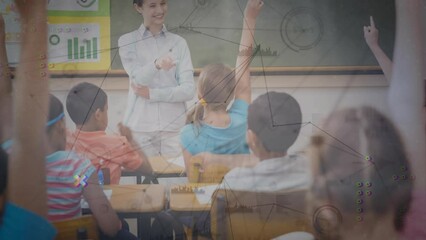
360, 157
216, 85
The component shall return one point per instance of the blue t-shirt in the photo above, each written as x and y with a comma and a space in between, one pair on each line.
20, 224
217, 140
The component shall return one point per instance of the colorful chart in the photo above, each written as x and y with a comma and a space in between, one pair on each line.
79, 43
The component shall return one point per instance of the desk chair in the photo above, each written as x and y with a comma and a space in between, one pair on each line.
252, 215
69, 229
217, 166
214, 173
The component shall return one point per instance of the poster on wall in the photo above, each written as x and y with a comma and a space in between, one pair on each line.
78, 44
13, 30
82, 8
78, 36
77, 5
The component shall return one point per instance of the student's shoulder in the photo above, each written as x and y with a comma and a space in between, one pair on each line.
188, 133
187, 129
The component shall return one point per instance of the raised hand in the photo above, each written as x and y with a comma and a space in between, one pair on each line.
125, 131
253, 8
371, 34
28, 9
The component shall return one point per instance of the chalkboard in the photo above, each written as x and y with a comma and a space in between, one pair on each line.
290, 33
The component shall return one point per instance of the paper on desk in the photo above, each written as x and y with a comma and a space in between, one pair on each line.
206, 196
107, 192
177, 161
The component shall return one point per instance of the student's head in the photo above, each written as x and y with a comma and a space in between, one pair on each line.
216, 85
87, 105
274, 122
3, 180
55, 126
152, 11
360, 167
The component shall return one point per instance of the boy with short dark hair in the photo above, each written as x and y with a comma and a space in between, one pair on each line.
87, 106
274, 122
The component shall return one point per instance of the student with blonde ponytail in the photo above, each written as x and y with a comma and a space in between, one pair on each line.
211, 127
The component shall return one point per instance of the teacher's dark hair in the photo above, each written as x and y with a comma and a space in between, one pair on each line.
138, 2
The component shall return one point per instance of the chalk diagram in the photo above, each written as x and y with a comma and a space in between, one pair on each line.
302, 29
201, 9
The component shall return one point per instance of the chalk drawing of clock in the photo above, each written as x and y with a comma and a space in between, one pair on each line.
302, 29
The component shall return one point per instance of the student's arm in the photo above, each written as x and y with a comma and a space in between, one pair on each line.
371, 35
5, 81
144, 168
27, 175
185, 89
242, 71
105, 216
406, 93
5, 88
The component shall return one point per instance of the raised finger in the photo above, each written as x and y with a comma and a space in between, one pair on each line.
372, 24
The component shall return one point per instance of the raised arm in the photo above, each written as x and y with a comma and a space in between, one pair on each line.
371, 35
101, 208
5, 81
406, 94
5, 87
242, 72
30, 107
145, 168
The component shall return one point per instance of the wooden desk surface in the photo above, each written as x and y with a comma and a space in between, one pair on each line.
160, 166
137, 198
187, 202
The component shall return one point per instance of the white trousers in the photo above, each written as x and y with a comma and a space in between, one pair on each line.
159, 143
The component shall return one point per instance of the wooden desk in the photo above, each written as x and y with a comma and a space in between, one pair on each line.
187, 204
140, 201
161, 169
137, 198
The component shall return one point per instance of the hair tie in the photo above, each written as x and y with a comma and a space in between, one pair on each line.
203, 102
56, 119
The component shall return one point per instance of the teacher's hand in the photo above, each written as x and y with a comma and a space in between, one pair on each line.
165, 62
141, 91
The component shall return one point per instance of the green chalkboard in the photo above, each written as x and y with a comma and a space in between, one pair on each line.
291, 33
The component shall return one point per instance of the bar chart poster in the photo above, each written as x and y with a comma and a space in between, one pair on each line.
79, 8
79, 44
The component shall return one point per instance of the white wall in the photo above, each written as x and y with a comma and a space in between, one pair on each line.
317, 95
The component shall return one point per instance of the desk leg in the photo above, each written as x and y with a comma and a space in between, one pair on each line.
148, 180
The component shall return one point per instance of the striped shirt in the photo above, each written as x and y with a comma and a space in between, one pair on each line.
63, 195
